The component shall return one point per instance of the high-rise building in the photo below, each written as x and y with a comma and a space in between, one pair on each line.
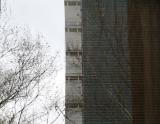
118, 56
106, 85
74, 99
103, 64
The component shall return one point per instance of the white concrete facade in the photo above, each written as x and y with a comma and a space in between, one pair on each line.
74, 99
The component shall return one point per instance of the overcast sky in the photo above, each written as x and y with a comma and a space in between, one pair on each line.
47, 18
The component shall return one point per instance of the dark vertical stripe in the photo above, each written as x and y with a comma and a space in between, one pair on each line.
144, 30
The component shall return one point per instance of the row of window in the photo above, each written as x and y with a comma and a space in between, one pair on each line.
73, 29
73, 53
74, 105
73, 24
72, 3
73, 77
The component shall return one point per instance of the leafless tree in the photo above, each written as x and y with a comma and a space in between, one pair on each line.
27, 72
25, 66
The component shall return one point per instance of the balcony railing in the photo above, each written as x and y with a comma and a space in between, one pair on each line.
73, 23
75, 77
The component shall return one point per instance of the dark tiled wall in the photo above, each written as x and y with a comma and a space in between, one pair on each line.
106, 81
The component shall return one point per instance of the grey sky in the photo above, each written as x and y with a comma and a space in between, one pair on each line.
44, 16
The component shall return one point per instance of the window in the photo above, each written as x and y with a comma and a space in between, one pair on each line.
74, 77
71, 53
74, 30
74, 53
74, 105
65, 3
72, 3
